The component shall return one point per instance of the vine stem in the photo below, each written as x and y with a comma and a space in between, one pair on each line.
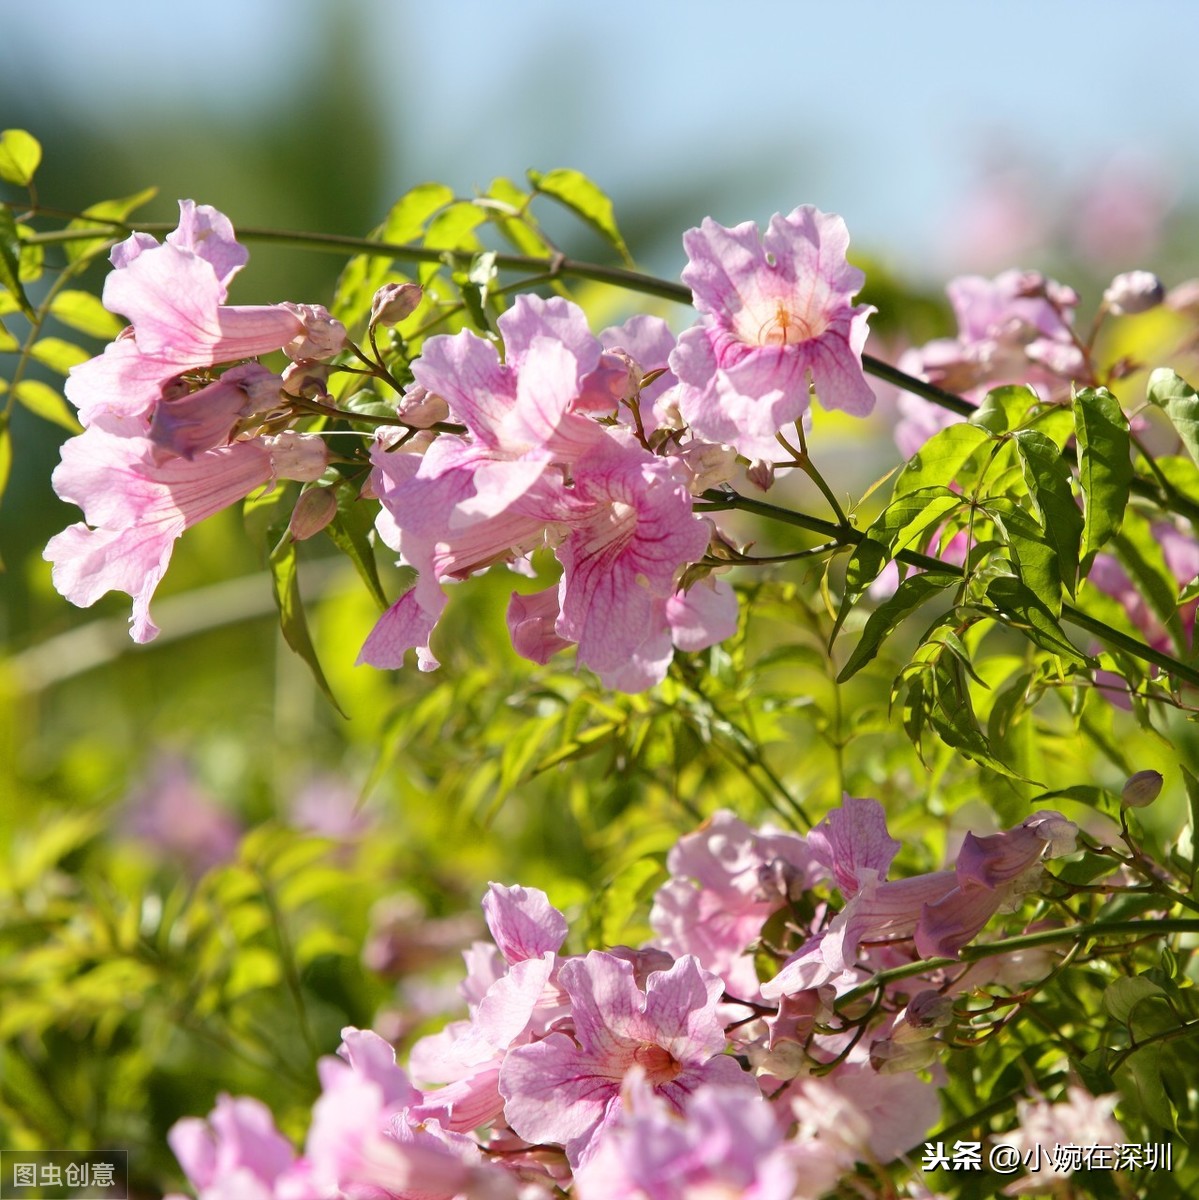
716, 501
557, 266
1025, 941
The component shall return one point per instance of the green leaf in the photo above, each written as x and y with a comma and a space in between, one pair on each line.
8, 343
909, 596
408, 216
1104, 467
1035, 560
1192, 787
20, 154
10, 262
350, 532
522, 232
100, 217
84, 312
584, 198
286, 585
58, 355
5, 459
897, 528
1048, 480
943, 459
1005, 408
951, 714
1019, 607
1181, 403
1123, 995
42, 399
1141, 555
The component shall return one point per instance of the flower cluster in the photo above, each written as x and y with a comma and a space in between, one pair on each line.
592, 446
170, 437
670, 1070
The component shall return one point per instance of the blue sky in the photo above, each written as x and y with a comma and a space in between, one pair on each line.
880, 110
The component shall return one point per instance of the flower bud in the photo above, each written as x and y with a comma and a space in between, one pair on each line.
422, 408
761, 474
313, 511
306, 378
1134, 292
393, 302
299, 456
929, 1010
889, 1057
1141, 789
323, 335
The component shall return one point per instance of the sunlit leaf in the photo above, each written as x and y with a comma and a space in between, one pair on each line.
947, 457
1104, 467
10, 262
58, 355
1048, 480
585, 199
294, 624
20, 154
1181, 403
42, 399
100, 217
909, 596
84, 312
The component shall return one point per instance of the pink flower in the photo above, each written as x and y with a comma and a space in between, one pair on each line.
173, 294
691, 620
171, 812
777, 313
722, 1145
567, 1089
716, 902
137, 507
1041, 1127
236, 1152
941, 911
637, 534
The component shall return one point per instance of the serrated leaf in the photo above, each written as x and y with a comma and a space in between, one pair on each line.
1048, 479
10, 262
909, 596
42, 399
84, 312
100, 217
350, 533
584, 198
286, 586
20, 154
1019, 607
57, 354
943, 459
1004, 408
1104, 467
1181, 403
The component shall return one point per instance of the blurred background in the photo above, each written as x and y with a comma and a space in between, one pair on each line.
951, 137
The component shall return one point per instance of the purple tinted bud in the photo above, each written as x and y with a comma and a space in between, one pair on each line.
1141, 789
306, 378
929, 1010
393, 302
1134, 292
323, 335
